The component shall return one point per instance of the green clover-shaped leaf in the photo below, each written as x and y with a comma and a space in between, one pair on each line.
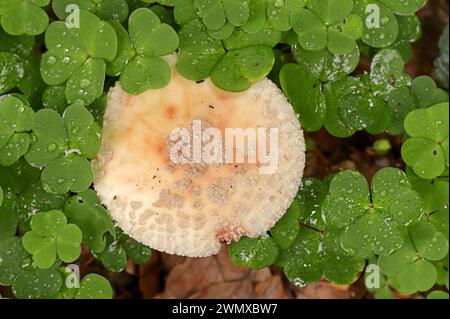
376, 233
116, 253
404, 7
255, 253
23, 197
422, 93
83, 132
151, 39
302, 260
381, 26
344, 105
32, 85
16, 120
114, 257
13, 259
393, 264
11, 66
311, 30
316, 251
239, 69
427, 93
19, 17
325, 65
215, 14
18, 177
145, 73
362, 109
384, 292
54, 98
279, 13
304, 91
387, 72
328, 24
331, 11
430, 243
417, 276
310, 199
50, 138
372, 221
35, 199
223, 33
237, 11
85, 211
257, 16
64, 147
51, 237
78, 55
434, 192
334, 93
137, 252
94, 286
350, 104
286, 229
156, 38
438, 294
185, 11
104, 9
241, 39
164, 13
249, 60
338, 265
37, 284
22, 46
15, 181
410, 31
14, 149
15, 117
410, 267
125, 50
342, 37
212, 13
18, 65
440, 220
98, 108
427, 151
68, 172
199, 52
48, 224
313, 255
85, 84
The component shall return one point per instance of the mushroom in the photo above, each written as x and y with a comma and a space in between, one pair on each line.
191, 208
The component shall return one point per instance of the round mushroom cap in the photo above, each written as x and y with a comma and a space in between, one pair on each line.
190, 208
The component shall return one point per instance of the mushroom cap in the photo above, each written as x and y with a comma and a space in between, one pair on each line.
190, 209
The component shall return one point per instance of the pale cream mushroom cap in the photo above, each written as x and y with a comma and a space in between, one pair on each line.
189, 210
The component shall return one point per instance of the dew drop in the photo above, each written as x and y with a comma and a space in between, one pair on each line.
51, 60
52, 147
279, 3
66, 60
85, 83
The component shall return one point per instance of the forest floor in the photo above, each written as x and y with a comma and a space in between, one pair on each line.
166, 276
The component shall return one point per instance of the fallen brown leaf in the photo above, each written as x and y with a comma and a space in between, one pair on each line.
217, 277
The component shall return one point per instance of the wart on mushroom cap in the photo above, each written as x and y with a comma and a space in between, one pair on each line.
189, 209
